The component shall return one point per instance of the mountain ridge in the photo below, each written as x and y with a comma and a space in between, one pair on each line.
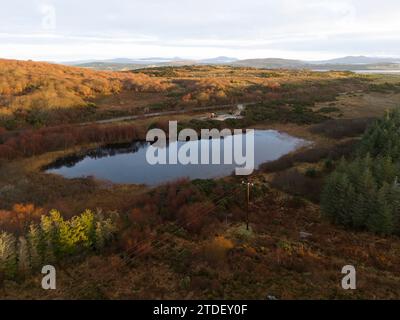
344, 63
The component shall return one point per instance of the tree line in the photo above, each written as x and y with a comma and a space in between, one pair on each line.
53, 239
364, 192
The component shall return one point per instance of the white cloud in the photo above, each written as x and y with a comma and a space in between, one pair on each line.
304, 29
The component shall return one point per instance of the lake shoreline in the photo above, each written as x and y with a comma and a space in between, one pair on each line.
126, 163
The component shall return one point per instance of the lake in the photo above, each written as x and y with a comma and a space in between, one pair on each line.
127, 163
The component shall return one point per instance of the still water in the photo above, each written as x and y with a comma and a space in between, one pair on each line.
127, 163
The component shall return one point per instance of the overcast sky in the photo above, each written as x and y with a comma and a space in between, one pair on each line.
64, 30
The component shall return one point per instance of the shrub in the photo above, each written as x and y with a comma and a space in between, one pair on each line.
341, 128
328, 164
295, 183
311, 155
29, 143
18, 219
195, 216
329, 109
274, 112
385, 87
311, 173
216, 250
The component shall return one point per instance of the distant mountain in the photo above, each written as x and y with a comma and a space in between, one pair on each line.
350, 63
120, 64
219, 60
270, 63
159, 59
357, 60
75, 62
118, 60
141, 61
155, 60
110, 66
341, 64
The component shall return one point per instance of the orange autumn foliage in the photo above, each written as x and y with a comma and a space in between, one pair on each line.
34, 142
28, 84
19, 218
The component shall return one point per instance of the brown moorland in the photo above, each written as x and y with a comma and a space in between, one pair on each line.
187, 239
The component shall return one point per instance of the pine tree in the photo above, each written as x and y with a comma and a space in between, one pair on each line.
381, 218
49, 256
8, 254
365, 191
50, 237
105, 230
23, 255
385, 170
393, 198
66, 243
36, 246
88, 226
101, 236
359, 216
335, 198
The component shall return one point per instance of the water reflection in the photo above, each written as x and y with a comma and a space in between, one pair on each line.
126, 163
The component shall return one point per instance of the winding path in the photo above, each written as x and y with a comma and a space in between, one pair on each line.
165, 113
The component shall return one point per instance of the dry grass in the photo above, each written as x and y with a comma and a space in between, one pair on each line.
361, 105
222, 261
274, 261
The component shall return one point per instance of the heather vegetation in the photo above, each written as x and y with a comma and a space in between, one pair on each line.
34, 142
31, 92
31, 238
278, 112
288, 103
41, 94
189, 239
342, 128
28, 85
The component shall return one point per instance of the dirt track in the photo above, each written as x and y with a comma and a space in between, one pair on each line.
166, 113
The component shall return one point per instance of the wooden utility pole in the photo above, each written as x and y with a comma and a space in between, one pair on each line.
249, 184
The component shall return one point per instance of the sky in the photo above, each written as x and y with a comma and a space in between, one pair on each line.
68, 30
